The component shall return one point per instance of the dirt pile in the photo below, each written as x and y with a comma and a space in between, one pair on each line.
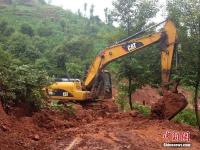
146, 95
169, 105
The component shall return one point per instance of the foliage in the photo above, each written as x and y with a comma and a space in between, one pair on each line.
27, 29
186, 15
133, 14
145, 110
62, 107
71, 56
45, 31
134, 70
40, 40
5, 31
121, 101
20, 83
22, 47
186, 116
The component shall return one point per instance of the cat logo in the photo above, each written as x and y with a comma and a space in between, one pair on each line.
132, 46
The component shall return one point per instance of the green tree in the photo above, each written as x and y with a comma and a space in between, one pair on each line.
27, 29
63, 25
135, 73
132, 15
79, 13
5, 31
186, 15
85, 9
45, 31
76, 50
42, 2
21, 47
20, 83
106, 14
91, 11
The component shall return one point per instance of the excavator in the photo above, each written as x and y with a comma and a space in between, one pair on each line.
98, 84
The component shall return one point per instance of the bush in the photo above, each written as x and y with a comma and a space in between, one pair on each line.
21, 83
45, 31
63, 107
186, 116
142, 109
122, 101
21, 47
27, 29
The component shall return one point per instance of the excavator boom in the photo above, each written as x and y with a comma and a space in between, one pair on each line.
166, 39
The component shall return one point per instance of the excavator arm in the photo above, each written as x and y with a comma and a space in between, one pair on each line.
166, 39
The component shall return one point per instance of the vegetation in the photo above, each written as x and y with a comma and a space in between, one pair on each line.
187, 116
145, 110
187, 18
39, 41
63, 107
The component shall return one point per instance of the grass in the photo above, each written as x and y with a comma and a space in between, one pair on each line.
145, 110
187, 116
62, 107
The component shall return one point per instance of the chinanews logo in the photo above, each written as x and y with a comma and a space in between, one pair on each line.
174, 139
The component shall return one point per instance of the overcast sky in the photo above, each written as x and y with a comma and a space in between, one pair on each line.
99, 5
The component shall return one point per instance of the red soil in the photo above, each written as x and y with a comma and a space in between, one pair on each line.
147, 95
94, 126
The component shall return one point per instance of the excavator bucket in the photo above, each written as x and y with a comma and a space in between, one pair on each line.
169, 105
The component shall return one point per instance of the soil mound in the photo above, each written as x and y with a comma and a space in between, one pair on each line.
94, 126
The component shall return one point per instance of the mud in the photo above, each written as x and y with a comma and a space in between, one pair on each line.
147, 95
169, 105
94, 126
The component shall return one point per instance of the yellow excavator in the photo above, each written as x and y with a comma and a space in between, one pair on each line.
97, 83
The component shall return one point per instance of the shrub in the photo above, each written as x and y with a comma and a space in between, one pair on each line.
122, 101
142, 109
21, 83
45, 31
186, 116
27, 29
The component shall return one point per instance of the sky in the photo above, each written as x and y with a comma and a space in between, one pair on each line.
74, 5
99, 5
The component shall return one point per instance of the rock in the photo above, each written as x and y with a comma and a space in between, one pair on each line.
100, 118
4, 128
78, 108
133, 113
36, 137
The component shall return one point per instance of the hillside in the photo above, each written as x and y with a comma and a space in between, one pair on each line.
51, 17
49, 30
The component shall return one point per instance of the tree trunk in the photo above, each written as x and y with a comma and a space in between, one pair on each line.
130, 93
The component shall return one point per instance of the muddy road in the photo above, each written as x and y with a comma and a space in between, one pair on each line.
95, 126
